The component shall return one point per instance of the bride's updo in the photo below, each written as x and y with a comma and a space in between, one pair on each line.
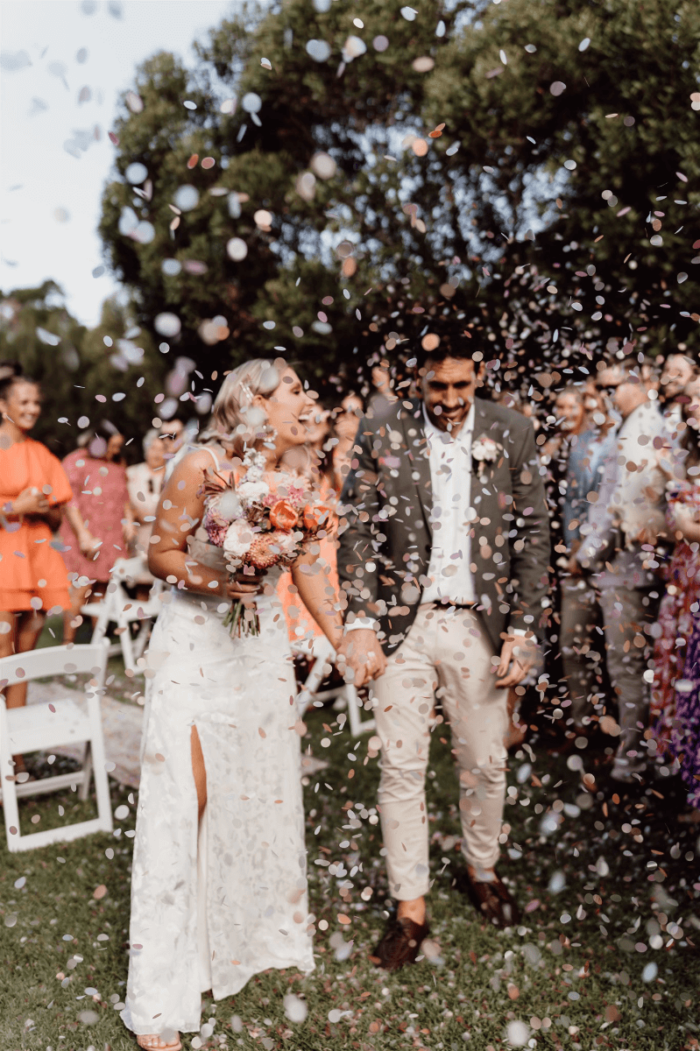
234, 418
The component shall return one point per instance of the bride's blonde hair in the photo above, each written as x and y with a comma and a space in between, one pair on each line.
233, 417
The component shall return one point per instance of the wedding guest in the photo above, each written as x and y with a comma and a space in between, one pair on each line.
144, 484
172, 437
219, 887
101, 503
586, 448
678, 371
34, 491
618, 548
675, 706
382, 397
346, 420
444, 567
315, 459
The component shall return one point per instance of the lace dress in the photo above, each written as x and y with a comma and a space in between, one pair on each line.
213, 907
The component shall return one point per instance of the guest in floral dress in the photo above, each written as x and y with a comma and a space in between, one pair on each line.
676, 694
101, 502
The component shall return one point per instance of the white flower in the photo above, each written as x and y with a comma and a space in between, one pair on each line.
251, 491
285, 543
239, 537
485, 448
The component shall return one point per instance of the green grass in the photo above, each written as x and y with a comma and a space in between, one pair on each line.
482, 980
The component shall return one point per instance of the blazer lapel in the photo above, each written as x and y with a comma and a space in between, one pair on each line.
419, 460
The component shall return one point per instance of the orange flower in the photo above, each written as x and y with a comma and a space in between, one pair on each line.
283, 516
315, 516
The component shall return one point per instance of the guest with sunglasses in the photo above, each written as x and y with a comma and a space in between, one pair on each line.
624, 526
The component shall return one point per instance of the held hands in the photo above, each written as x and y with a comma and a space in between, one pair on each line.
361, 657
245, 586
518, 656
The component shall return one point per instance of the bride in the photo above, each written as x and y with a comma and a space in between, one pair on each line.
219, 889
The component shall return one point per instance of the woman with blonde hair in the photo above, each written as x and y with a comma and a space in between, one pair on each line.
219, 873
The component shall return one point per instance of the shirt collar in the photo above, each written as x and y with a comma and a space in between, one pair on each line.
432, 432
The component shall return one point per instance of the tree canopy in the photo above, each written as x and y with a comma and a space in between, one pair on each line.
344, 183
86, 375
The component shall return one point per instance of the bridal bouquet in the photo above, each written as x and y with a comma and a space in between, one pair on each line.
262, 521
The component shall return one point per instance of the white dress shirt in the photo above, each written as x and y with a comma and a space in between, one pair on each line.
452, 516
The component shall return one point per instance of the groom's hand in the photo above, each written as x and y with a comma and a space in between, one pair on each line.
361, 657
518, 656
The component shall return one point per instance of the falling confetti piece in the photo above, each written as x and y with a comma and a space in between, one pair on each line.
557, 88
423, 64
236, 249
99, 892
263, 219
186, 198
134, 102
167, 324
318, 50
295, 1009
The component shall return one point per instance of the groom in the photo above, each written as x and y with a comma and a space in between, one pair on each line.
444, 564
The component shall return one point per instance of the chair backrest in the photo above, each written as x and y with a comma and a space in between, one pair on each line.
55, 660
126, 568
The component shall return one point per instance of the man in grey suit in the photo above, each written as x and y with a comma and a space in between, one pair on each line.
618, 550
443, 558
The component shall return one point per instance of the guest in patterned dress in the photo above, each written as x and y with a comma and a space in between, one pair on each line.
676, 694
101, 501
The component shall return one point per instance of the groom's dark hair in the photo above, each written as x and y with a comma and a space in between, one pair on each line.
462, 351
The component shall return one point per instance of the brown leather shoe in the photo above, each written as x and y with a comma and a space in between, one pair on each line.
493, 901
400, 943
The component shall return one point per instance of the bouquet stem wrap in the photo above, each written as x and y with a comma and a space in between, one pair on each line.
243, 620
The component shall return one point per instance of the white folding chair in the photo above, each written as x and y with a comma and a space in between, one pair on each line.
323, 655
38, 727
117, 607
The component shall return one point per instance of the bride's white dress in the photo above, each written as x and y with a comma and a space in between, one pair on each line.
214, 906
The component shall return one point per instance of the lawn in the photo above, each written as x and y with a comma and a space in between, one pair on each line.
606, 955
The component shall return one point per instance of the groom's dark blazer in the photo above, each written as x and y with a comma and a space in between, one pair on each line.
385, 532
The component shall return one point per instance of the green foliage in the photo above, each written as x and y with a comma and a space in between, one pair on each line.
79, 374
465, 230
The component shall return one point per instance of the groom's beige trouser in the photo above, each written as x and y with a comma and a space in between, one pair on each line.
448, 654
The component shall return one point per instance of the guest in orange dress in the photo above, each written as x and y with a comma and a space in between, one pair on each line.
34, 490
101, 503
325, 459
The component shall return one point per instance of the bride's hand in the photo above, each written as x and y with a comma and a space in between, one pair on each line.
245, 586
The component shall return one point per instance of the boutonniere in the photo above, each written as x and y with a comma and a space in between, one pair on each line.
485, 450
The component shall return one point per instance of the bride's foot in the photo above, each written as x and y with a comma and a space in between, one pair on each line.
153, 1042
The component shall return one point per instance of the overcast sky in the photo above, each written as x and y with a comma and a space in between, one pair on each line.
63, 64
